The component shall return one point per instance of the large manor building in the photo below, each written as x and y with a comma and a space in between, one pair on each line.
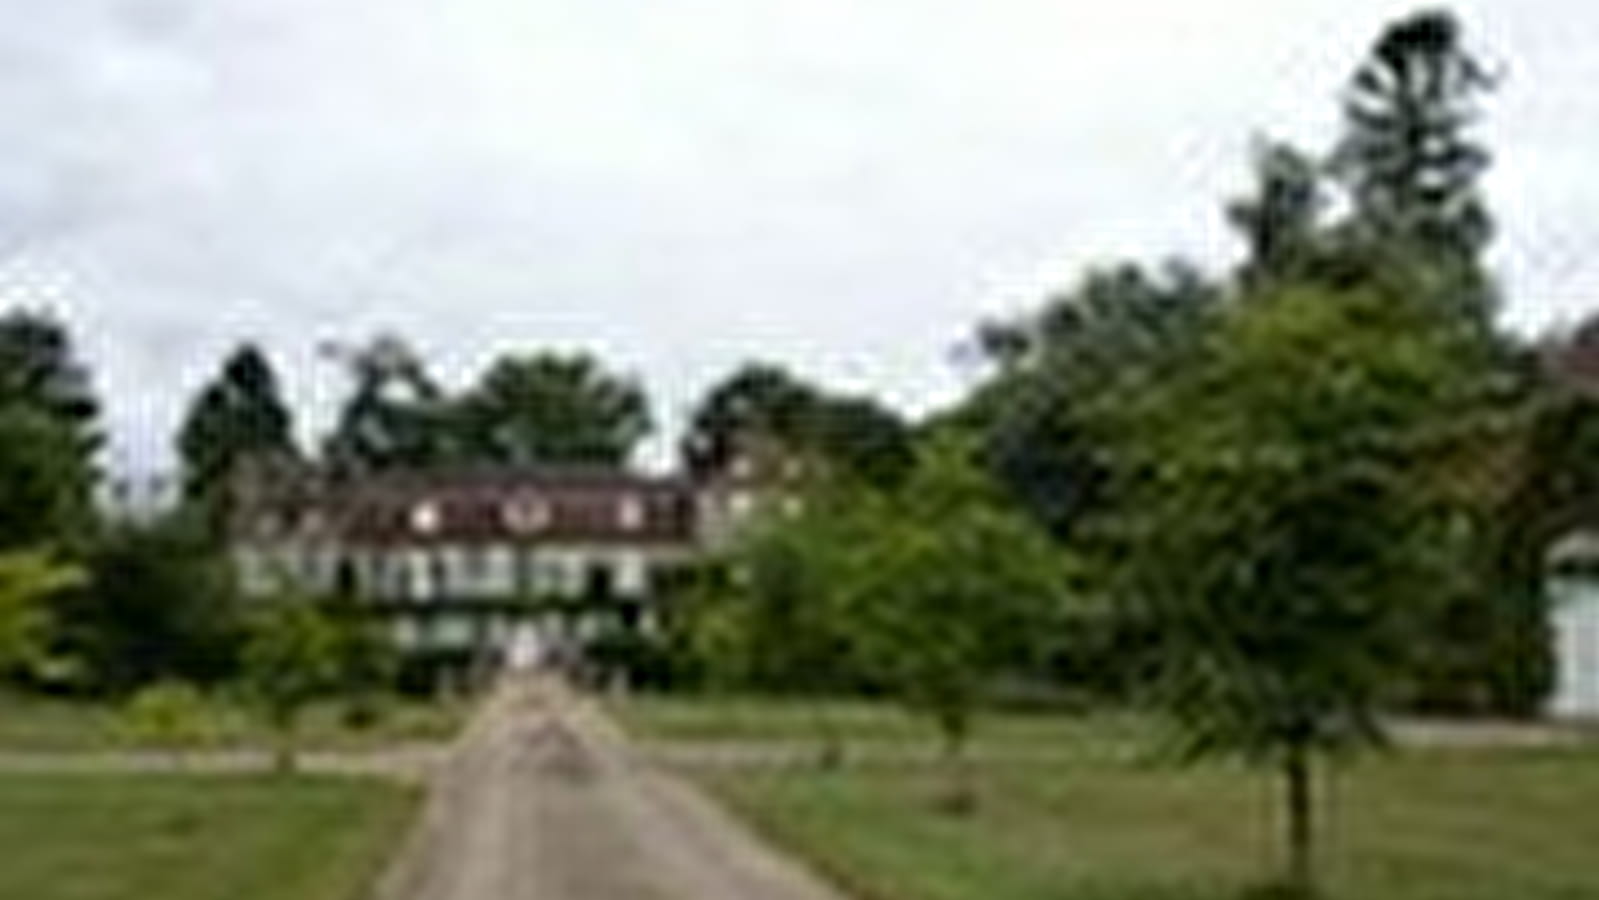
504, 565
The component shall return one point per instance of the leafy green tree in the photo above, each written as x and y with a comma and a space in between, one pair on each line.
864, 438
1281, 516
1538, 470
368, 663
292, 657
757, 398
40, 369
28, 580
796, 636
240, 415
926, 592
48, 435
1407, 156
1411, 165
1053, 368
172, 715
397, 417
1281, 220
45, 481
551, 408
158, 604
855, 434
775, 613
949, 587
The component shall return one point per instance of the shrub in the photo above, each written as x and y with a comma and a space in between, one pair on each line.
170, 714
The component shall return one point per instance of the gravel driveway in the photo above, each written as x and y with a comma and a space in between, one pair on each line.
542, 800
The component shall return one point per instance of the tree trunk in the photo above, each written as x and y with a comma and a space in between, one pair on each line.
1301, 875
961, 796
830, 753
284, 761
284, 758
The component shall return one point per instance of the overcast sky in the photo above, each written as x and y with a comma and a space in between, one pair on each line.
842, 185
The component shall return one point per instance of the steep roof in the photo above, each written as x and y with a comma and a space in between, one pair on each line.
539, 504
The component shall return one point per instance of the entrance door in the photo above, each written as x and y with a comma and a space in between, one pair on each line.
524, 650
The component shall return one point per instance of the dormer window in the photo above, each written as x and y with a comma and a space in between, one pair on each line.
526, 514
630, 513
425, 517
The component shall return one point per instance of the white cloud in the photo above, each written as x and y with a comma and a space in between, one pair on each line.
842, 185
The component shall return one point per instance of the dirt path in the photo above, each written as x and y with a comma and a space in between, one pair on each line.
542, 800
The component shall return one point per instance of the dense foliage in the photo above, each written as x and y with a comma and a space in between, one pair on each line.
28, 584
395, 416
48, 434
292, 657
238, 416
543, 408
1407, 157
550, 408
46, 484
853, 434
1278, 521
159, 605
928, 593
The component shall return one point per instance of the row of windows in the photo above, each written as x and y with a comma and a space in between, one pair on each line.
525, 514
528, 514
450, 571
466, 630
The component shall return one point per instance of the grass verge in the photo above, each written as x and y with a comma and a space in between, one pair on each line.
1062, 818
113, 837
43, 724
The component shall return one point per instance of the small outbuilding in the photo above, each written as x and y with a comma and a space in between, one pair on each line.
1573, 590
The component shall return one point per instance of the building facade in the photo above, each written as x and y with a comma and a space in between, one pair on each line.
508, 565
1572, 589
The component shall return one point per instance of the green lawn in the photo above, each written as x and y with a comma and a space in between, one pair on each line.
1069, 819
93, 837
31, 723
866, 723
